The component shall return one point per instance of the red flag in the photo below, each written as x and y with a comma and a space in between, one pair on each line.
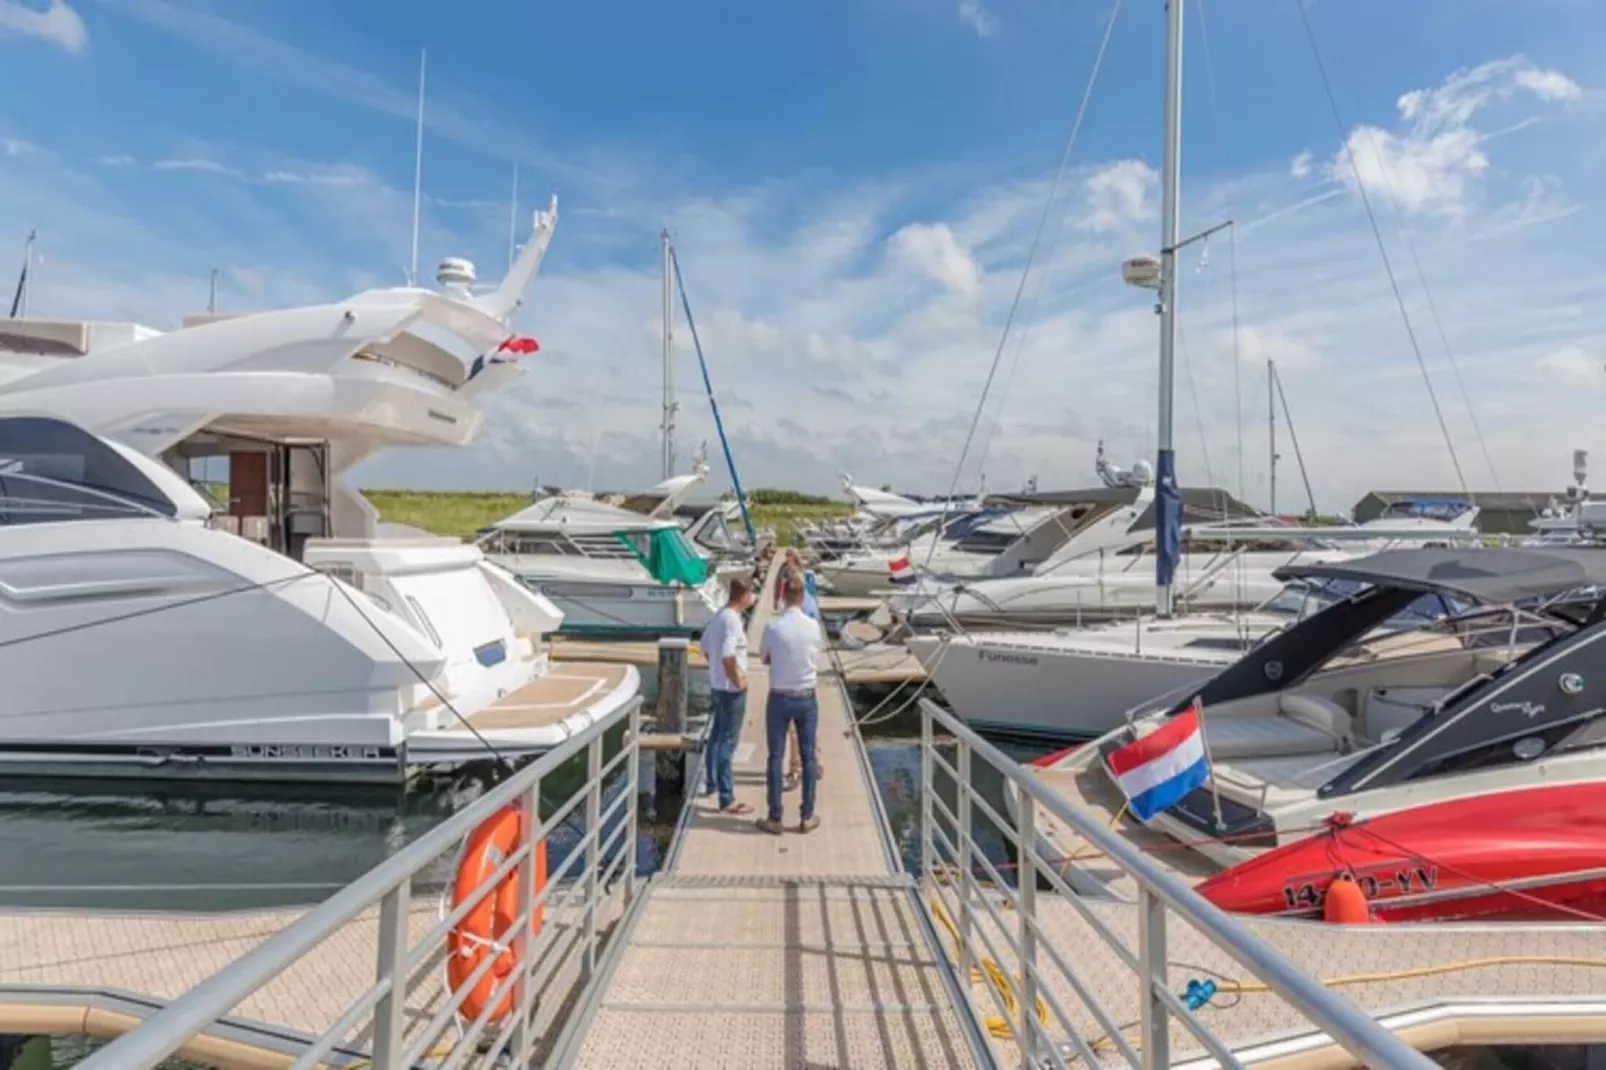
519, 345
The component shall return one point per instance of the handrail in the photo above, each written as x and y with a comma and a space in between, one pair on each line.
1349, 1026
388, 884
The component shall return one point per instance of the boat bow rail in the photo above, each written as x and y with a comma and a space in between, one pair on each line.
409, 1016
1092, 998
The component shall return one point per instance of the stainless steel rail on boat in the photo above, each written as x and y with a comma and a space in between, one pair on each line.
1026, 974
409, 1015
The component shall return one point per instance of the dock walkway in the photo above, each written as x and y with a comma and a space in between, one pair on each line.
786, 951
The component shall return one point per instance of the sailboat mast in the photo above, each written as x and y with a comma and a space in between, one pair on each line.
1168, 497
418, 170
1271, 432
669, 364
513, 220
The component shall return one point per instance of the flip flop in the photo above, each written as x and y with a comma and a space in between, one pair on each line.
737, 809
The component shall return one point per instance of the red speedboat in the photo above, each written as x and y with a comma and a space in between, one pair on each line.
1530, 853
1452, 770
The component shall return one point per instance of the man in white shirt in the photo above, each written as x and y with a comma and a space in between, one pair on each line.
791, 642
724, 643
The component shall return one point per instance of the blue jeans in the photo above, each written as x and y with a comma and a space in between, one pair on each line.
722, 735
780, 712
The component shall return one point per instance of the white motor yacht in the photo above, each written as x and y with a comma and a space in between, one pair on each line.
280, 633
1104, 568
994, 541
613, 572
1016, 683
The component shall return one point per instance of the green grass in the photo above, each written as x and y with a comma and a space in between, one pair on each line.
463, 513
786, 519
460, 514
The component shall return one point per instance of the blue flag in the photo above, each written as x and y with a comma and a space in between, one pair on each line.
1167, 519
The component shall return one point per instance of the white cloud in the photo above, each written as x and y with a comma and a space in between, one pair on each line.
1420, 174
1300, 166
1571, 366
1430, 167
977, 16
1548, 85
56, 23
15, 146
934, 251
190, 163
1119, 194
117, 159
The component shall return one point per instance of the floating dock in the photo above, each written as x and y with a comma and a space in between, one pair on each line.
798, 950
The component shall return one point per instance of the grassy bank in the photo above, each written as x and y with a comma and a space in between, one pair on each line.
462, 513
445, 512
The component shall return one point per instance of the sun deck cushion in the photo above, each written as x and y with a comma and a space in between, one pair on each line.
1273, 782
1264, 737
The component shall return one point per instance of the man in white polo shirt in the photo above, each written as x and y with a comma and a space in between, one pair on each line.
791, 642
724, 643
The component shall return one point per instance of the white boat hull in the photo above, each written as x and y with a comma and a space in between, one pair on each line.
624, 608
1001, 686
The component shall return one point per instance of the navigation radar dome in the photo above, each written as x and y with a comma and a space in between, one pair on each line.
1141, 473
456, 275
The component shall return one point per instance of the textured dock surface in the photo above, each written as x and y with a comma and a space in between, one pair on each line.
798, 950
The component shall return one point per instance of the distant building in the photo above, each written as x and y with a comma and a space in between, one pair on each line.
1499, 512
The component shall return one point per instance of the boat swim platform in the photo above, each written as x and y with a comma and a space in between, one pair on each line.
799, 950
566, 693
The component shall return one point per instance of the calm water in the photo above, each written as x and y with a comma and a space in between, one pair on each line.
185, 850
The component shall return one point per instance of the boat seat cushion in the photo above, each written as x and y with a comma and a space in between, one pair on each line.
1318, 712
1264, 737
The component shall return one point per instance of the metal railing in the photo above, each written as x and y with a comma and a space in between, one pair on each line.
410, 1016
1029, 979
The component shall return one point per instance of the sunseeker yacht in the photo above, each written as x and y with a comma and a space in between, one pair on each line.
1454, 771
611, 571
286, 634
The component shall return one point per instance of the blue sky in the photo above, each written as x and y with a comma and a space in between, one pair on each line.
853, 187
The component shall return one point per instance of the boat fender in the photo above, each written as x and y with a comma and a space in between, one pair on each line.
1345, 903
491, 920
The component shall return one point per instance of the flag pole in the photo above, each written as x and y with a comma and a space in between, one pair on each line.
1210, 763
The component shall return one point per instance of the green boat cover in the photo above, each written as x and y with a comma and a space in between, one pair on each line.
667, 555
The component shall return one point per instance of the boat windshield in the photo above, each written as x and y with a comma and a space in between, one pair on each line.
53, 471
1301, 598
1437, 624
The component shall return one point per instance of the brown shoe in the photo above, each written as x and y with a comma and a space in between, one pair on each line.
809, 824
766, 825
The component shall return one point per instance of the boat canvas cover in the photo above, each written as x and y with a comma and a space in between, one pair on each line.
1494, 575
667, 555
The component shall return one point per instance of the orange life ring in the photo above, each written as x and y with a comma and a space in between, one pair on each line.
488, 928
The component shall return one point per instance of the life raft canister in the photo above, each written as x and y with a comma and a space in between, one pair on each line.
1345, 903
488, 928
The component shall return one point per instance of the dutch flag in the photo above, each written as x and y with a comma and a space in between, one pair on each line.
901, 570
1156, 771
